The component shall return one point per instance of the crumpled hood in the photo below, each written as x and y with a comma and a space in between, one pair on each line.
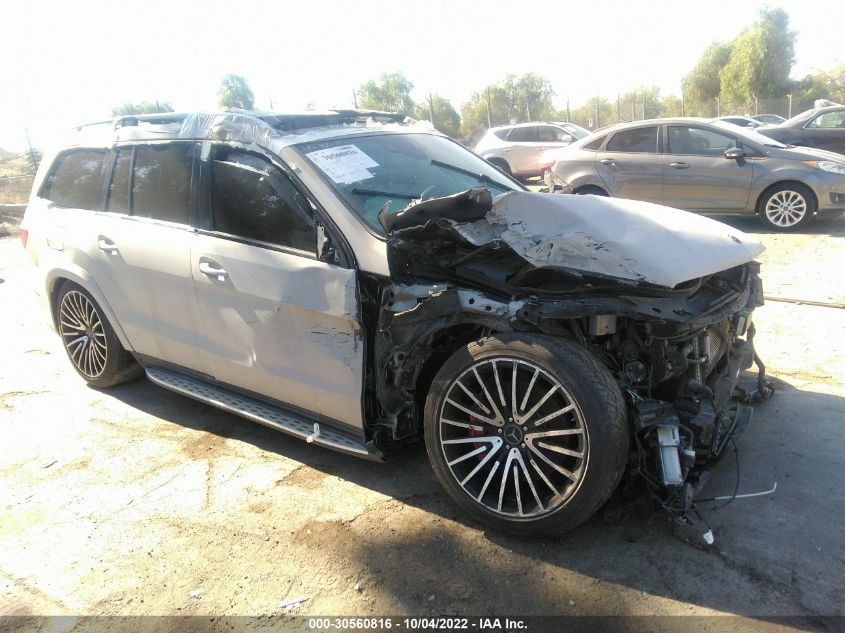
623, 239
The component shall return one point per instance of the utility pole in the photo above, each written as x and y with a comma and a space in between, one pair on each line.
568, 117
683, 105
718, 106
32, 158
756, 111
528, 112
597, 112
431, 109
643, 105
633, 108
489, 119
355, 98
618, 112
790, 105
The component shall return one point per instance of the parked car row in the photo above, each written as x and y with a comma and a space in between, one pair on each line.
713, 166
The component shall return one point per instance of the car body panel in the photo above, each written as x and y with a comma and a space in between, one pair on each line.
688, 182
282, 324
637, 176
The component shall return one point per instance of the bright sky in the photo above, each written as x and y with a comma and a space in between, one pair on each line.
69, 62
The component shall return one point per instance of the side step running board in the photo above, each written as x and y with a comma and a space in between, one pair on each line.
261, 412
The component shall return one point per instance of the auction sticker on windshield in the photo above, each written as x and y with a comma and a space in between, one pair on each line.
343, 164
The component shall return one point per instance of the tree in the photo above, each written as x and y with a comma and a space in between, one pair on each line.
235, 93
142, 107
585, 115
446, 119
511, 100
703, 83
390, 93
761, 60
828, 84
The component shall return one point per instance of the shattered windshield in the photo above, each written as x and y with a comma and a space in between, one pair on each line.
372, 171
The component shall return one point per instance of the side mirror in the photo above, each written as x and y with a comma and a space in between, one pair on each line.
735, 153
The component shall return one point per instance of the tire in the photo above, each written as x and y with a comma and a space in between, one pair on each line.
501, 164
89, 340
568, 392
787, 207
591, 190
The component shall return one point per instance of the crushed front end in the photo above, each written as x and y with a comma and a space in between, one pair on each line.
463, 269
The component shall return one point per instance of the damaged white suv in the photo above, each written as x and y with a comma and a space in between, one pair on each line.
361, 281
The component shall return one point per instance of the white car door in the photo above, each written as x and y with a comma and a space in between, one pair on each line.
279, 322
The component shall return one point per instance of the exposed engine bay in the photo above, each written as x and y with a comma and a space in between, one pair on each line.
670, 315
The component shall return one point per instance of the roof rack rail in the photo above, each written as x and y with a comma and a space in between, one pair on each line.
129, 120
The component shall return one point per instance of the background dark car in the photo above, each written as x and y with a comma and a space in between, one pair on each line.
823, 128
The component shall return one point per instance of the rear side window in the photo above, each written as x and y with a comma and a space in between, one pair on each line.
253, 199
502, 134
595, 145
639, 140
75, 178
161, 187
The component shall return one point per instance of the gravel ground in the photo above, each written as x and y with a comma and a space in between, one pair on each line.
135, 500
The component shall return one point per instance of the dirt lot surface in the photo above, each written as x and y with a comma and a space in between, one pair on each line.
135, 500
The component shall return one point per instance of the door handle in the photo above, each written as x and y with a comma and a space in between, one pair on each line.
107, 245
607, 161
212, 269
679, 165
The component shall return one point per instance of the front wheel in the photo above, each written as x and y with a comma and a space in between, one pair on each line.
787, 207
526, 433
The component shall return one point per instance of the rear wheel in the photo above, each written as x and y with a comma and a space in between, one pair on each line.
526, 433
90, 342
787, 207
501, 164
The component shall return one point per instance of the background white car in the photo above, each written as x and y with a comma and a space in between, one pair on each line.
518, 149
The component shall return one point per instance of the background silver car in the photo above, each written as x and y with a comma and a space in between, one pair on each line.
518, 149
707, 167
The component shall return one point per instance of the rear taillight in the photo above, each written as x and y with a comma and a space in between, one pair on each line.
24, 236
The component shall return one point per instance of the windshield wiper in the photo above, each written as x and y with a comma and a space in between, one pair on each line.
480, 177
387, 194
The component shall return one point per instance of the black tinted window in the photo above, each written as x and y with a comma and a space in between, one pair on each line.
162, 182
640, 139
74, 179
522, 134
118, 200
251, 198
595, 145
